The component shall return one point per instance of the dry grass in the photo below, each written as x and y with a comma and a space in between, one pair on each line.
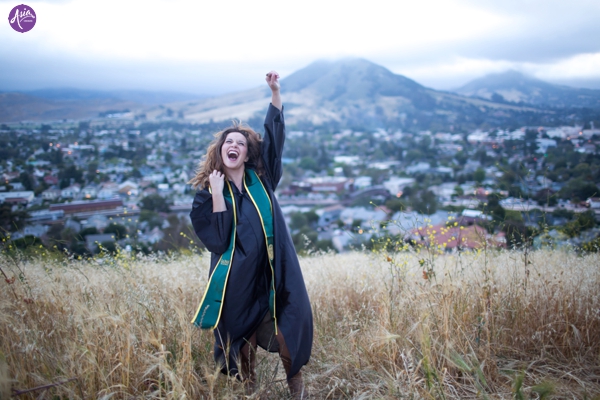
480, 325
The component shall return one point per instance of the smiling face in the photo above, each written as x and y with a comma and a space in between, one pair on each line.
234, 151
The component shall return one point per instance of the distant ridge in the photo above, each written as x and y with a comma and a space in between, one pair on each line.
136, 96
515, 87
352, 92
347, 93
74, 104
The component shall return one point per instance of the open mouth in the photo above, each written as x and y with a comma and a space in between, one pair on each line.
232, 155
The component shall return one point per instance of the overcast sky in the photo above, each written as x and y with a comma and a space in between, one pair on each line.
213, 47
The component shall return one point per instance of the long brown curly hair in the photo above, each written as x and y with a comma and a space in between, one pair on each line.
212, 160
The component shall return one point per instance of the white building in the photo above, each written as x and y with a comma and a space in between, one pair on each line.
70, 192
395, 185
26, 196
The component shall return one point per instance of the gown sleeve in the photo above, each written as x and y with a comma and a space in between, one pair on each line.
212, 228
272, 145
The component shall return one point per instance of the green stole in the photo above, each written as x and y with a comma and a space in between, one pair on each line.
209, 311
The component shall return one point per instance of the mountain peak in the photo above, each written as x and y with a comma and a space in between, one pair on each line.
350, 79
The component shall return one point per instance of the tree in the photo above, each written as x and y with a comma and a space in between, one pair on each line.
154, 202
12, 221
479, 175
298, 221
71, 173
120, 231
582, 222
395, 204
495, 209
92, 230
425, 202
579, 189
517, 234
27, 180
308, 163
151, 218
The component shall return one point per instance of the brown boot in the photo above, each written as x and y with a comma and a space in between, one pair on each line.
295, 383
296, 386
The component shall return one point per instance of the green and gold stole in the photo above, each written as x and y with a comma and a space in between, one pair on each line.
209, 311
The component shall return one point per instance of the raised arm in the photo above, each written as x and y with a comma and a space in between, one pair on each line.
273, 82
274, 137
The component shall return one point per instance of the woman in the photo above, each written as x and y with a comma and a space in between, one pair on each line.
256, 294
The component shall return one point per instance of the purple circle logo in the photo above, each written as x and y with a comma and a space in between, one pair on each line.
22, 18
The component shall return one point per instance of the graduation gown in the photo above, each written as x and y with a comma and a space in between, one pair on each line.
246, 304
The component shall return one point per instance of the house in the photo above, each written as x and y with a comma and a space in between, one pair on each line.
70, 192
129, 188
18, 186
395, 185
23, 197
334, 184
98, 221
330, 214
89, 192
362, 182
593, 202
366, 217
37, 230
420, 167
51, 180
108, 190
51, 194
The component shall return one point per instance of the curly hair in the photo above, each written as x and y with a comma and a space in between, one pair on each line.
212, 160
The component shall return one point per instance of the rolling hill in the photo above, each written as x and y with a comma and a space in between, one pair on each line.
348, 93
354, 93
515, 87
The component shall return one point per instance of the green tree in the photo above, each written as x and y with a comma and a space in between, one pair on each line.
395, 204
298, 221
425, 202
71, 173
154, 202
582, 222
12, 221
579, 189
308, 163
27, 180
152, 218
119, 231
479, 175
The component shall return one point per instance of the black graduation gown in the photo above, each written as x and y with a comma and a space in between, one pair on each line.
246, 304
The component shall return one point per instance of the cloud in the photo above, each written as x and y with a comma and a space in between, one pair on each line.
221, 46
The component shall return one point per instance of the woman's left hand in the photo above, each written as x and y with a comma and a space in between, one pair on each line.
273, 80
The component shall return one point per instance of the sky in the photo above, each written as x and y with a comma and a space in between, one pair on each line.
215, 47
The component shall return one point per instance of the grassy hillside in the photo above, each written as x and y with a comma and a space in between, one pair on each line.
495, 325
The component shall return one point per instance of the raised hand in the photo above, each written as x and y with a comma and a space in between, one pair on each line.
217, 181
273, 80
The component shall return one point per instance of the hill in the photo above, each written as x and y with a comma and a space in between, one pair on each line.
70, 103
354, 93
348, 93
515, 87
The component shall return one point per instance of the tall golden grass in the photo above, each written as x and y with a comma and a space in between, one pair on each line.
498, 325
